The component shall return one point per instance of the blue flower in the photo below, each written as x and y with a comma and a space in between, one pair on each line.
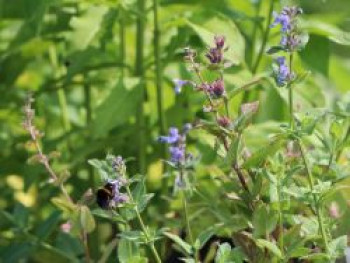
284, 20
172, 137
177, 153
179, 83
290, 38
282, 73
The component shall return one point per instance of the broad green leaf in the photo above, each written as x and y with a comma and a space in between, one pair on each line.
47, 253
87, 26
63, 204
327, 30
127, 251
316, 54
204, 236
87, 221
264, 220
222, 26
45, 228
223, 254
117, 108
338, 246
259, 157
262, 243
181, 243
135, 236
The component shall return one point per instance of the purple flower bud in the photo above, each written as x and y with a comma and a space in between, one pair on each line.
214, 55
217, 88
179, 83
224, 121
219, 41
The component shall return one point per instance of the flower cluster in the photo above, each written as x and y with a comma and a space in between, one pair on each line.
282, 72
217, 88
290, 39
177, 142
215, 54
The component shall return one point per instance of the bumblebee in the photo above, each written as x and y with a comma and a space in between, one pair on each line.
105, 195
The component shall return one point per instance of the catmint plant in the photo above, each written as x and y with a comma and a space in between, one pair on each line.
126, 203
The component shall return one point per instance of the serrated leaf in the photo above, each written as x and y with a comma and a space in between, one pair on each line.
338, 246
181, 243
262, 243
204, 236
223, 254
63, 204
127, 251
264, 220
264, 152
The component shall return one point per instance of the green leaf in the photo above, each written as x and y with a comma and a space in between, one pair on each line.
224, 26
275, 49
86, 26
64, 204
316, 54
87, 221
111, 215
233, 150
45, 228
204, 236
223, 254
117, 108
338, 246
135, 236
245, 118
321, 28
181, 243
262, 243
47, 253
264, 220
259, 157
127, 251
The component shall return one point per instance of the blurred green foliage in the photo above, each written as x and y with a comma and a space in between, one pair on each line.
78, 58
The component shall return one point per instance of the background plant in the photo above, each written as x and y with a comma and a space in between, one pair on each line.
101, 73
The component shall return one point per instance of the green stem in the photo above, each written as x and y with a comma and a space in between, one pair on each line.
265, 37
139, 72
281, 233
150, 242
254, 33
188, 226
122, 40
318, 207
158, 70
290, 95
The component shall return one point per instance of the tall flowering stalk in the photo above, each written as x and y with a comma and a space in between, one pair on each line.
44, 159
291, 41
181, 160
